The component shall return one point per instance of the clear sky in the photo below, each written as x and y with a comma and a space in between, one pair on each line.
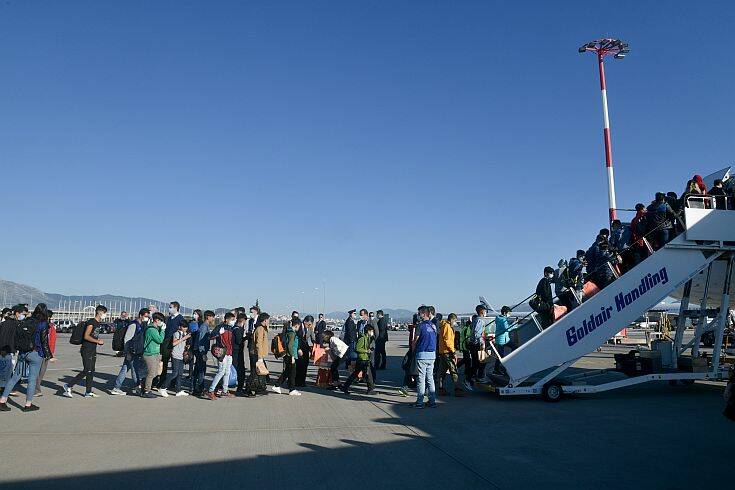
403, 152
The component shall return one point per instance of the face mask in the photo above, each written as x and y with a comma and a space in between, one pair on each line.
146, 320
231, 323
21, 317
196, 318
172, 310
104, 316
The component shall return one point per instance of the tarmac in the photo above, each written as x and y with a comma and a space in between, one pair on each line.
650, 436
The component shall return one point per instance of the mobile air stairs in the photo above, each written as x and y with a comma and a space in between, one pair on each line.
706, 247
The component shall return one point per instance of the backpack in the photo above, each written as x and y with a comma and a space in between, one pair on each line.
25, 333
118, 338
77, 333
278, 346
218, 351
136, 345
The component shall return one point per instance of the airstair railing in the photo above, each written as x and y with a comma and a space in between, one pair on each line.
609, 263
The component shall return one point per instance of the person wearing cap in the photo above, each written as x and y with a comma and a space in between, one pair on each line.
349, 336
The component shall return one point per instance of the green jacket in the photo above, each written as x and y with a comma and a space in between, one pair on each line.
464, 335
362, 347
153, 341
292, 343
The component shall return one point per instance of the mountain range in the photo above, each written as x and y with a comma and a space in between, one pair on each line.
12, 293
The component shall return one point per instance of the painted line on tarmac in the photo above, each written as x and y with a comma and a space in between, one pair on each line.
209, 431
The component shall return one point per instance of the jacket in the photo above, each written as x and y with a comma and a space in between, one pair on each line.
638, 226
446, 338
350, 333
153, 339
292, 343
576, 273
382, 333
620, 238
501, 330
543, 291
363, 347
7, 334
426, 341
465, 334
260, 342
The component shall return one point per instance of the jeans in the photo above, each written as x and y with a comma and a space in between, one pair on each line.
89, 359
335, 370
129, 364
177, 371
34, 366
41, 374
200, 369
223, 373
426, 376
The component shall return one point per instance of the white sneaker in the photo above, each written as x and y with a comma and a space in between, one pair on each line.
182, 393
294, 393
276, 389
116, 391
163, 392
91, 395
67, 391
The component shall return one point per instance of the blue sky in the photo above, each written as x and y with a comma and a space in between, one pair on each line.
403, 152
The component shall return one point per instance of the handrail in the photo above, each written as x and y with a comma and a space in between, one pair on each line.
712, 200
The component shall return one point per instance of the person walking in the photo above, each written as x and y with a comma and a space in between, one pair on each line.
362, 364
153, 338
305, 337
49, 355
381, 339
465, 338
90, 341
31, 342
132, 360
502, 340
258, 381
288, 375
337, 350
239, 339
196, 319
177, 362
223, 338
543, 301
446, 357
425, 347
200, 347
173, 323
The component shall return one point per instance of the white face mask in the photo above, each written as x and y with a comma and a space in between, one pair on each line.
172, 310
104, 316
21, 317
231, 323
196, 317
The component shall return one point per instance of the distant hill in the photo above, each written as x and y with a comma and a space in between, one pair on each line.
12, 293
397, 314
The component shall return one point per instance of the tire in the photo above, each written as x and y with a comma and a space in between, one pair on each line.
552, 392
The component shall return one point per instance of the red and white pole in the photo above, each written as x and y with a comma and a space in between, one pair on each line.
608, 144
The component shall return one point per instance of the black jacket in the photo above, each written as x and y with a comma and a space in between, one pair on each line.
543, 291
350, 331
7, 334
382, 333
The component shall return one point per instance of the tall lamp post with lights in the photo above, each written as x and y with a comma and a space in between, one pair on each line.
618, 50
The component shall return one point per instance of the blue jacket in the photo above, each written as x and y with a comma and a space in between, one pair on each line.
201, 340
501, 330
477, 330
426, 342
576, 273
620, 238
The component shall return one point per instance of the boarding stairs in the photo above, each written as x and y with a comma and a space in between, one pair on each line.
541, 355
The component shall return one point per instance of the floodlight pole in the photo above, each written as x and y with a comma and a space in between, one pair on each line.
602, 48
608, 143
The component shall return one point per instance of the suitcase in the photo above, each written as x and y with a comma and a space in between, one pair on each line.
323, 378
559, 311
589, 289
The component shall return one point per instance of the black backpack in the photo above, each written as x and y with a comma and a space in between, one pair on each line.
118, 338
136, 345
77, 333
25, 333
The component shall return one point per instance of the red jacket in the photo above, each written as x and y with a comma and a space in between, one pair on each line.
52, 338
